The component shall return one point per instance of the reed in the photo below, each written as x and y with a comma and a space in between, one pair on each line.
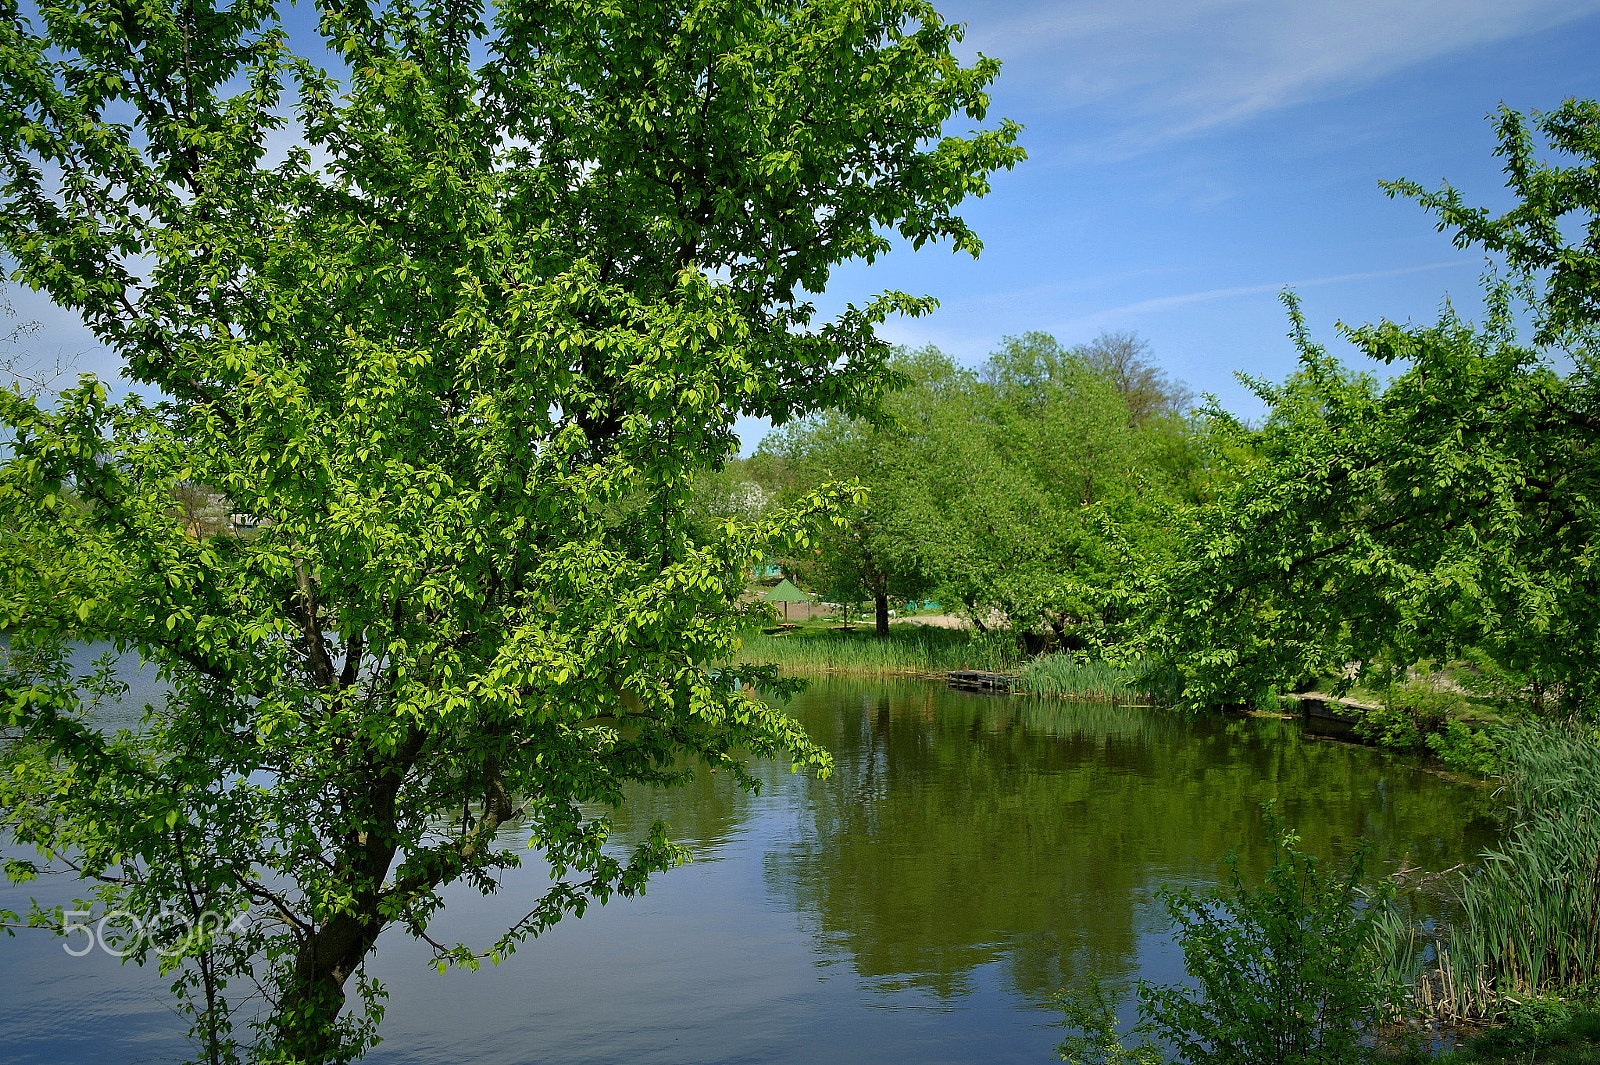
907, 650
1066, 676
1528, 916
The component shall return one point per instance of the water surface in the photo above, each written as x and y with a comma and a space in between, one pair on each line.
969, 855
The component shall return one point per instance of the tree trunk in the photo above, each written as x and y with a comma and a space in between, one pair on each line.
1059, 627
882, 602
306, 1020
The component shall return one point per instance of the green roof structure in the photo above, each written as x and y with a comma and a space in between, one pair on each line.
785, 592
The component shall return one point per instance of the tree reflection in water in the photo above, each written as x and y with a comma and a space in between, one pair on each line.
960, 830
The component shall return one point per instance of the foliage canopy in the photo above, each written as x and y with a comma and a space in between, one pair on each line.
1450, 511
1013, 493
461, 347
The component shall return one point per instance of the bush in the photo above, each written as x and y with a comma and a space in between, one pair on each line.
1283, 973
1422, 718
1529, 1027
1095, 1041
1411, 712
1465, 749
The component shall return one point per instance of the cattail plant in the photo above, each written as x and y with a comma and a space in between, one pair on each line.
1527, 916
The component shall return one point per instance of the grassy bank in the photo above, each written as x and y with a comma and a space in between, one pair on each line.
907, 651
922, 651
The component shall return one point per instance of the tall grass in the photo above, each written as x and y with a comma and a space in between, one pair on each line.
907, 650
1066, 676
1528, 917
935, 652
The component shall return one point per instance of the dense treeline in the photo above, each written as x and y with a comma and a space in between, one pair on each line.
1015, 493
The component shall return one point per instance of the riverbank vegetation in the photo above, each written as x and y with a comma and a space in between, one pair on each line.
1525, 921
912, 650
1279, 973
1534, 1032
1064, 675
1312, 964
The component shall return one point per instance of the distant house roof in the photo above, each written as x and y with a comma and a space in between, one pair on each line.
786, 592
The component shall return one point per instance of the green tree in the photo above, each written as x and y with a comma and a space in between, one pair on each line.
1017, 492
864, 556
1061, 419
967, 517
464, 350
1088, 483
1451, 511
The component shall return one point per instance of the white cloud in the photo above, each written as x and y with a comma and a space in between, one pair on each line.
1116, 315
1167, 68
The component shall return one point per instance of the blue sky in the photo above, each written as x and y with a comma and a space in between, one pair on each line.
1189, 158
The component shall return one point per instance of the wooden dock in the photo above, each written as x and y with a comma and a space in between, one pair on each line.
980, 680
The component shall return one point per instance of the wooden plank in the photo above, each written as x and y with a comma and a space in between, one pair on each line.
980, 680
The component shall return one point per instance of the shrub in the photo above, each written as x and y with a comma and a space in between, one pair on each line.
1411, 712
1283, 973
1421, 717
1465, 749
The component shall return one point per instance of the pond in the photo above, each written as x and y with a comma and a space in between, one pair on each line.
969, 855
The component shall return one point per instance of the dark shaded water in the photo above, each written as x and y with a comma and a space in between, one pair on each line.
969, 855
